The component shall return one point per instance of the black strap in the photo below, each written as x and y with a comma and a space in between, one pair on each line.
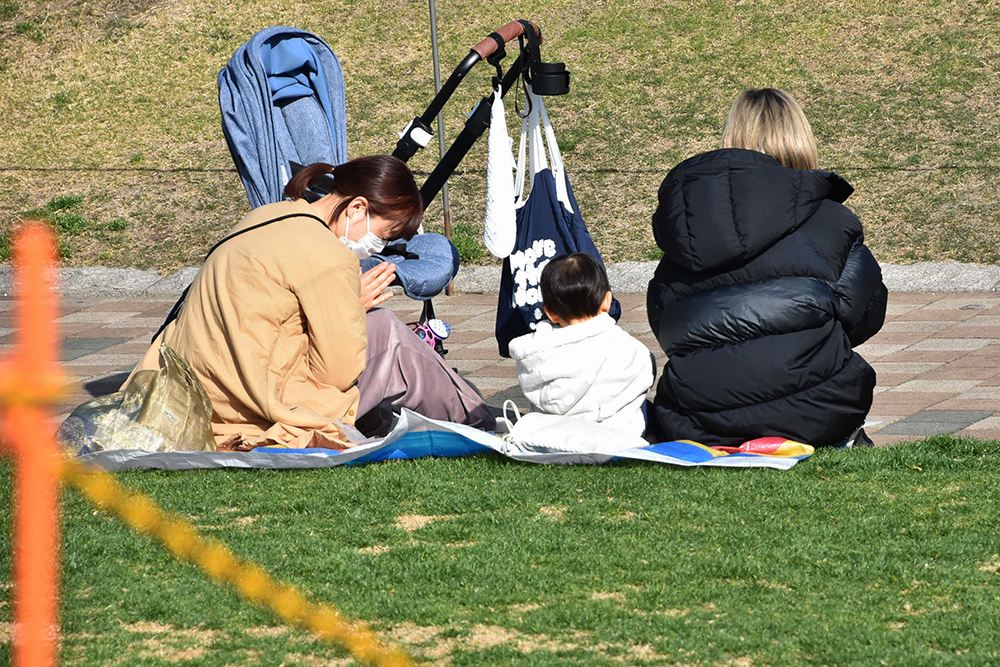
427, 313
176, 310
262, 224
495, 57
495, 36
529, 31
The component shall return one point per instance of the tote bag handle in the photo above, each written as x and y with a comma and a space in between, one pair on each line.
537, 134
519, 189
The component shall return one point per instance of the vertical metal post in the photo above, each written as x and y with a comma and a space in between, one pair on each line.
445, 200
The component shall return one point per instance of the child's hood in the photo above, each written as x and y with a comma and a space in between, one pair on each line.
547, 340
558, 367
727, 206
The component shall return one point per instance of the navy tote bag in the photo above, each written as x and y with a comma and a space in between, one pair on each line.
549, 224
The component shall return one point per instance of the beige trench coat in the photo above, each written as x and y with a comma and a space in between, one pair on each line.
274, 328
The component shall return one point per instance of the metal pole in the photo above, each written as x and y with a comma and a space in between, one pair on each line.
445, 201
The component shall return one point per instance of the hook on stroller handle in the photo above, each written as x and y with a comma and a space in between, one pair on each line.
491, 43
546, 78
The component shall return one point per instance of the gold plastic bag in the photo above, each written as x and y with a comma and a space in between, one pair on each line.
161, 411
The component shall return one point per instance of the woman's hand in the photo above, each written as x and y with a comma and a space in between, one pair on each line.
374, 283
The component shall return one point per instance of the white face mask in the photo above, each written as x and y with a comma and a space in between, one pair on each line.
367, 245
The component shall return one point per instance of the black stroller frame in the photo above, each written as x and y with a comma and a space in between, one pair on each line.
546, 79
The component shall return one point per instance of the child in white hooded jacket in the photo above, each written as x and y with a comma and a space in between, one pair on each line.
583, 363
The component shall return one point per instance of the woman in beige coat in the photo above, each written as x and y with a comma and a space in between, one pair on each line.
282, 328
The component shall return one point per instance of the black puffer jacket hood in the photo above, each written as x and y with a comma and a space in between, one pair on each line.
726, 207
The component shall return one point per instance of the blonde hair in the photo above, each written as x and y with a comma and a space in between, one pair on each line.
770, 121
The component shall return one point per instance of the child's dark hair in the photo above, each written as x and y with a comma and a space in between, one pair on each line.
574, 286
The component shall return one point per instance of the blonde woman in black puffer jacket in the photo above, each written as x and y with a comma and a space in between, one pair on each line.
764, 289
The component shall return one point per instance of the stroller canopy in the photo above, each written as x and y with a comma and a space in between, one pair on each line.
282, 100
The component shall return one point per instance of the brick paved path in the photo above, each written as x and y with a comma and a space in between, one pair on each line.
937, 357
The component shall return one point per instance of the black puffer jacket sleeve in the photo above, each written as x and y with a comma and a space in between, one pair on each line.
862, 295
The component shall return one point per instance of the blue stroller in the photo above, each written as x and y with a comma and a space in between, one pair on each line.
283, 103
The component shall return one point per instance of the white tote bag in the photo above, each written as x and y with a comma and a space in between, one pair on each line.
499, 226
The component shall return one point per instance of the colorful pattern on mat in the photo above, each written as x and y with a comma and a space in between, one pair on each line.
771, 446
753, 453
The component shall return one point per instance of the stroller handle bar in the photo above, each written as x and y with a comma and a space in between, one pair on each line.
417, 134
491, 43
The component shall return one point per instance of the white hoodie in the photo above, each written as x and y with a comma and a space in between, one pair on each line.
593, 369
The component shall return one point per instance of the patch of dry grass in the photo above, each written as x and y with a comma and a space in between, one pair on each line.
413, 522
441, 644
375, 550
553, 512
993, 566
169, 644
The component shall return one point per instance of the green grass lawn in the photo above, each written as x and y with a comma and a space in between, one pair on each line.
114, 102
864, 557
